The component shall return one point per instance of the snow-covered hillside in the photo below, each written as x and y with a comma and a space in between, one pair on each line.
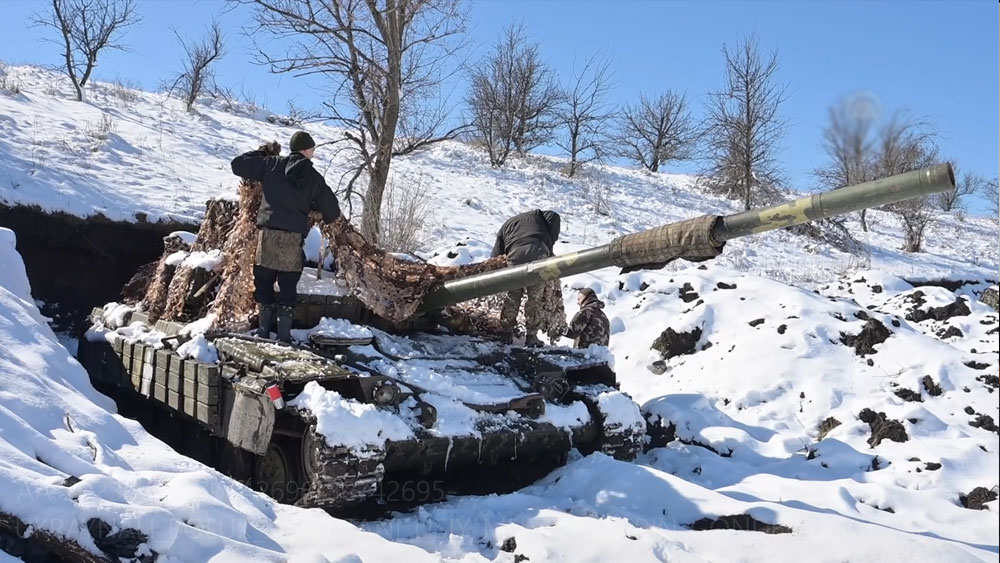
145, 155
740, 360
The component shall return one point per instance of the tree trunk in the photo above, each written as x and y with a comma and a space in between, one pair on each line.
864, 220
371, 216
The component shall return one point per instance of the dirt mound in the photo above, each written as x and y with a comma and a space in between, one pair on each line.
883, 428
671, 343
908, 395
827, 426
932, 388
874, 332
977, 498
739, 522
958, 308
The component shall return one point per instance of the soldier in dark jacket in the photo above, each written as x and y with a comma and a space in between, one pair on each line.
525, 238
292, 188
590, 325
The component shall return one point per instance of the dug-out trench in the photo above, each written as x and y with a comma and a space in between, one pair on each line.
75, 264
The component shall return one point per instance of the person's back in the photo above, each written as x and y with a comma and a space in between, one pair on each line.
528, 236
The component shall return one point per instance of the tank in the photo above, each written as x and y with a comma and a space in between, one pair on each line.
361, 411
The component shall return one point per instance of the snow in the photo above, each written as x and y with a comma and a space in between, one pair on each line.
746, 404
335, 328
348, 422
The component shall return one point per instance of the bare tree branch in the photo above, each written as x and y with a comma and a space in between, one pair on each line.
512, 97
383, 60
86, 27
655, 131
193, 80
583, 113
744, 128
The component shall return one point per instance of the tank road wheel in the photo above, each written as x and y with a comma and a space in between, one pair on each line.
337, 476
623, 428
277, 473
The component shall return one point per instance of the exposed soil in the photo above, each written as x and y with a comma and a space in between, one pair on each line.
883, 428
671, 343
738, 522
932, 388
990, 380
957, 308
950, 332
687, 293
985, 422
826, 426
977, 498
977, 365
908, 395
76, 264
874, 332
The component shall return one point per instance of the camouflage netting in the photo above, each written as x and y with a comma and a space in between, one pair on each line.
155, 297
391, 287
189, 290
234, 302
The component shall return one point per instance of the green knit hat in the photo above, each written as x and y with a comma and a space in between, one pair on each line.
301, 141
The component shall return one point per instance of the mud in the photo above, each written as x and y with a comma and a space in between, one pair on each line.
908, 395
932, 388
958, 308
738, 522
883, 428
874, 332
826, 426
687, 293
977, 498
671, 343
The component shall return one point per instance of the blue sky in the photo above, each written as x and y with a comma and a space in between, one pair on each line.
939, 60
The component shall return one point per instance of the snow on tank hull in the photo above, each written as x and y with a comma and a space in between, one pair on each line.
357, 413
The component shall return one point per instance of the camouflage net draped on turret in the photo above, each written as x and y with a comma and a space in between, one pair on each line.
156, 293
234, 302
187, 296
392, 287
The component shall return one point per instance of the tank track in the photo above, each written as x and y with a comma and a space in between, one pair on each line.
621, 439
338, 476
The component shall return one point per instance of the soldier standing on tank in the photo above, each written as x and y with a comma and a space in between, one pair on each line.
292, 188
590, 325
525, 238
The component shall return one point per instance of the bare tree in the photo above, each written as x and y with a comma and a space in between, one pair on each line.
655, 130
848, 144
991, 191
512, 97
86, 27
743, 127
584, 113
382, 58
906, 144
967, 184
194, 79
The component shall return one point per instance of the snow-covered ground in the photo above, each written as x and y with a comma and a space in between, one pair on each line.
768, 362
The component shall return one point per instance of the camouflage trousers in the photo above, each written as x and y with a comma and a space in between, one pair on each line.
279, 250
543, 310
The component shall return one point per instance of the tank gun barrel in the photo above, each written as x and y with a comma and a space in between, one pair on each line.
696, 239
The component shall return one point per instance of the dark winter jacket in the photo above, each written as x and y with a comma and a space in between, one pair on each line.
590, 325
527, 237
292, 188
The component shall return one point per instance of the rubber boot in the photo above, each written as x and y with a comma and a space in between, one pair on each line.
265, 318
285, 323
